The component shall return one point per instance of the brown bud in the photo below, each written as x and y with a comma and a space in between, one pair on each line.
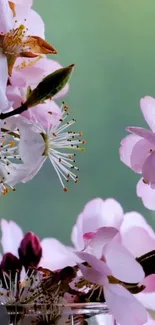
67, 274
10, 263
30, 250
11, 267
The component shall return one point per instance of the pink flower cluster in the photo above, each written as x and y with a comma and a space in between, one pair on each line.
112, 259
41, 132
111, 249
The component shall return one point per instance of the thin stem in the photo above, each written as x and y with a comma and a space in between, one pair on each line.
18, 110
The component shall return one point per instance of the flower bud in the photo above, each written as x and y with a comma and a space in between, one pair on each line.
49, 86
10, 263
67, 274
10, 269
46, 89
30, 250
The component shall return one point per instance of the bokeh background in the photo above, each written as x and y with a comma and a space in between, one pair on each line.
112, 43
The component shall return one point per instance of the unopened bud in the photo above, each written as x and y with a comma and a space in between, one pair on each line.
46, 89
10, 269
30, 250
67, 274
10, 263
49, 86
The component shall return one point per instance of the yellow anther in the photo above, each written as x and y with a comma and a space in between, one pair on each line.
12, 143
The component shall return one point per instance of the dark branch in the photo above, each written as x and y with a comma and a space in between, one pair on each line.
18, 110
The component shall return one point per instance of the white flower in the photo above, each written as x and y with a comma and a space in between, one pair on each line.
38, 143
12, 169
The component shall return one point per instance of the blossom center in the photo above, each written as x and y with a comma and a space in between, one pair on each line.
47, 144
13, 41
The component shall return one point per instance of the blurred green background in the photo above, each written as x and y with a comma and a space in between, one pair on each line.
112, 43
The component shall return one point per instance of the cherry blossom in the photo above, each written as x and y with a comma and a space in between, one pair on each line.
15, 41
38, 143
137, 152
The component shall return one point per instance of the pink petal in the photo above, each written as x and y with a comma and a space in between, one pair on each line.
147, 105
148, 169
40, 113
139, 154
22, 13
88, 235
77, 236
96, 264
12, 235
121, 262
31, 145
14, 95
147, 194
37, 28
6, 17
126, 148
149, 283
97, 213
26, 73
102, 237
143, 133
4, 103
135, 219
147, 299
55, 255
23, 2
93, 276
124, 306
29, 72
138, 241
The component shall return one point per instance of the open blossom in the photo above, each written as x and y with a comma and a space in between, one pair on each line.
15, 41
38, 143
137, 151
27, 143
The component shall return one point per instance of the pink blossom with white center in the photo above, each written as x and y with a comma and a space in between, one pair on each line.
116, 262
137, 151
